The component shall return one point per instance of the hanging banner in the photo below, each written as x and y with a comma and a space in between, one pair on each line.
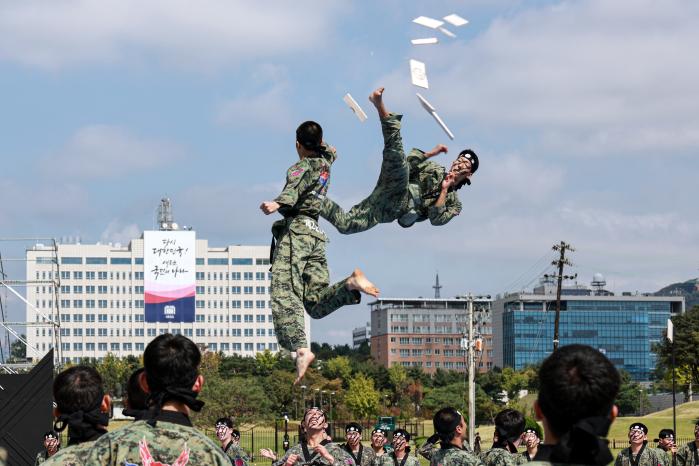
169, 277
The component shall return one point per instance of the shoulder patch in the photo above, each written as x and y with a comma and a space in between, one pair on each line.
147, 458
297, 171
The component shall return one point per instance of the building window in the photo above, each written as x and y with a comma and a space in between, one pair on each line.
95, 260
218, 261
261, 261
120, 261
241, 261
71, 260
260, 318
247, 332
248, 346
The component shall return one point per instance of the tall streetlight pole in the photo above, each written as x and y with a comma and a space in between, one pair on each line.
331, 404
321, 398
315, 397
471, 375
303, 405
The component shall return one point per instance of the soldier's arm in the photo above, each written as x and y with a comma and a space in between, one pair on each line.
619, 460
296, 182
328, 152
427, 448
440, 215
341, 457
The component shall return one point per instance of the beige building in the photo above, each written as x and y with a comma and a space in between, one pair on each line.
428, 333
100, 301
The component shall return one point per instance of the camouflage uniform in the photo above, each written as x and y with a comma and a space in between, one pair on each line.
665, 455
299, 267
454, 456
429, 448
41, 457
236, 454
365, 457
406, 191
338, 453
140, 443
501, 457
73, 454
647, 457
687, 455
389, 459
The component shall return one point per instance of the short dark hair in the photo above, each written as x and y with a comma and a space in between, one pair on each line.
665, 433
576, 382
353, 426
310, 135
78, 388
235, 433
136, 398
509, 425
225, 420
171, 361
445, 422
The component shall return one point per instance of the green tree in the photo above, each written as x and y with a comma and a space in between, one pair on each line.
630, 396
266, 361
686, 338
361, 398
18, 350
242, 398
338, 367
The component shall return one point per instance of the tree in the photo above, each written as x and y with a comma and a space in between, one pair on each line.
361, 398
630, 396
265, 362
18, 350
338, 367
686, 337
242, 398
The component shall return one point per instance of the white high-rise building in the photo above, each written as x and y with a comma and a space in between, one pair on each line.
101, 301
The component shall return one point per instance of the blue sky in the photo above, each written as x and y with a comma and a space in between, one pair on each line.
584, 114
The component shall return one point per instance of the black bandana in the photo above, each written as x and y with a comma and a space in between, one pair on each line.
183, 395
582, 444
83, 425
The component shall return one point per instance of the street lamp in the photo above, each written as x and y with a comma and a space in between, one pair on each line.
331, 404
303, 387
321, 398
315, 397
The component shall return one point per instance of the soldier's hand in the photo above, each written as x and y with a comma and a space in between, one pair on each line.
438, 149
447, 182
269, 207
267, 453
291, 460
322, 451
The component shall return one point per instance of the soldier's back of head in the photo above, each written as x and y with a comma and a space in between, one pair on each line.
576, 404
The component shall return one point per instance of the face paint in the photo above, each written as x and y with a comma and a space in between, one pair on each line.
314, 419
221, 431
636, 435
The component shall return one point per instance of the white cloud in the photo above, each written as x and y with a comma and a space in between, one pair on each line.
102, 151
589, 77
119, 232
270, 108
205, 34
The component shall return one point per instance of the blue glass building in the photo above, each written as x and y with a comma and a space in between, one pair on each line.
625, 328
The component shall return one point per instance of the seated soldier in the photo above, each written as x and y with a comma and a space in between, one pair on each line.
409, 190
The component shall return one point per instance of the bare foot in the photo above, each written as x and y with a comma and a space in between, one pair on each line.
376, 98
304, 358
358, 281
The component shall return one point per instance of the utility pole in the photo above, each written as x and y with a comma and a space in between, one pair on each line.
471, 375
562, 248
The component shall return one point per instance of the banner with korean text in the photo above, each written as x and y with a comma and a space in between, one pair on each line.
169, 259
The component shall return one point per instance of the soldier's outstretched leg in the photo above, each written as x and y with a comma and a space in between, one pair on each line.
388, 199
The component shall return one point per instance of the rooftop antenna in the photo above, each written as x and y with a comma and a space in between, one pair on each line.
437, 287
165, 221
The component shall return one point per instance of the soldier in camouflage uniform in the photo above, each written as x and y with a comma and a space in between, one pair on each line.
578, 385
400, 456
51, 445
315, 449
361, 456
450, 428
688, 455
172, 380
509, 426
82, 408
638, 453
299, 266
666, 445
531, 440
409, 190
230, 441
378, 442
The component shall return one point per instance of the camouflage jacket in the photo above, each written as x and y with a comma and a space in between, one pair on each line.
342, 458
74, 454
647, 457
41, 457
501, 457
365, 457
307, 183
454, 457
687, 455
429, 448
389, 459
425, 184
142, 444
236, 454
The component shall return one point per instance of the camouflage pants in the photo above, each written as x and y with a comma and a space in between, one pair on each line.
300, 281
388, 200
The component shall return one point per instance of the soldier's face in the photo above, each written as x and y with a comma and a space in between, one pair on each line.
637, 436
315, 419
666, 442
399, 442
378, 439
222, 432
696, 433
51, 443
531, 439
353, 438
